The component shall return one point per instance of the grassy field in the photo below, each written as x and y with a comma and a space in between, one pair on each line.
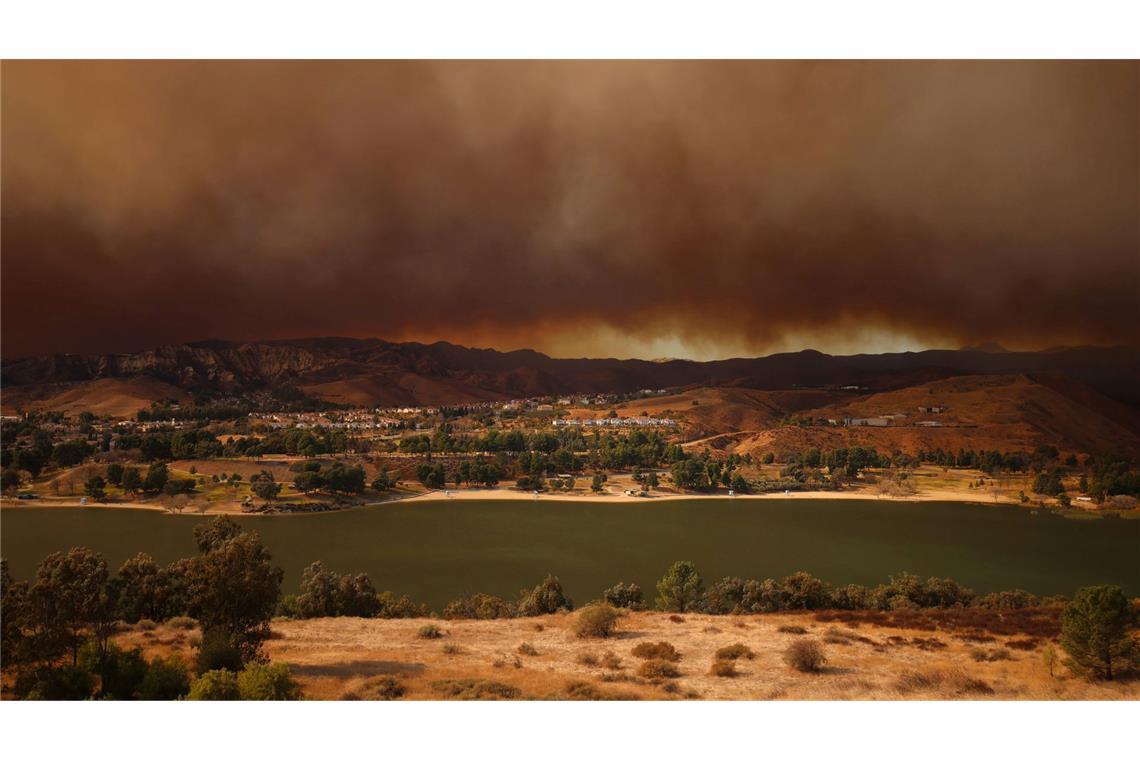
867, 659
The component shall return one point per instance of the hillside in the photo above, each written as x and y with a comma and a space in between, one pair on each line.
1004, 412
377, 372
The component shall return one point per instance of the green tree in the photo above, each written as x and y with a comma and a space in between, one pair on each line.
267, 682
66, 602
1096, 632
114, 473
10, 480
131, 482
95, 487
233, 588
143, 589
215, 685
681, 588
156, 477
264, 485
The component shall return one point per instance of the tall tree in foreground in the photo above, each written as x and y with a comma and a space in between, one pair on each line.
1096, 632
681, 589
233, 587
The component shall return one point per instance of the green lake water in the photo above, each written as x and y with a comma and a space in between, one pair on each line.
435, 551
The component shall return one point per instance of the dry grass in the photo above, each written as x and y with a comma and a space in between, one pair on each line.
339, 657
662, 650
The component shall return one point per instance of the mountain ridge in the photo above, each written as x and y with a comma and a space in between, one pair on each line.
451, 373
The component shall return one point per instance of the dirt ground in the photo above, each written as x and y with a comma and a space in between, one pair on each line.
337, 658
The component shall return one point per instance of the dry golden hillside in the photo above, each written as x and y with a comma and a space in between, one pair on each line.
869, 656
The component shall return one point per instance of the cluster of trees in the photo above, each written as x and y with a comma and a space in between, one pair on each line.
546, 598
324, 593
994, 461
57, 626
337, 479
705, 474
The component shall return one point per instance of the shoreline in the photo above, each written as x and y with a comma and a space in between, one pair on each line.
510, 494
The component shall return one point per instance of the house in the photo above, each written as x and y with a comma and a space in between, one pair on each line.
868, 422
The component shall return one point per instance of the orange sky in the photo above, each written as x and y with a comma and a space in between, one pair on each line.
622, 209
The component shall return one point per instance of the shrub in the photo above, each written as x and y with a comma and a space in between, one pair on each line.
676, 619
587, 658
735, 652
625, 597
381, 688
803, 591
723, 669
182, 622
1096, 632
662, 650
289, 607
658, 669
430, 631
391, 606
527, 649
1015, 599
479, 607
611, 661
597, 620
63, 683
267, 682
681, 589
806, 656
544, 599
582, 691
217, 652
451, 649
146, 625
472, 688
215, 685
165, 679
120, 672
797, 630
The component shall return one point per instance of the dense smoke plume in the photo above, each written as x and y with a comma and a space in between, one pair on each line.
606, 208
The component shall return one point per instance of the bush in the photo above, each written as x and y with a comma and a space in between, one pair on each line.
587, 658
625, 597
723, 669
544, 599
63, 683
796, 630
1096, 632
165, 679
215, 685
735, 652
1015, 599
267, 682
479, 607
381, 688
217, 652
611, 661
658, 669
392, 606
527, 649
598, 620
430, 631
146, 625
681, 588
182, 622
472, 688
806, 656
662, 650
120, 672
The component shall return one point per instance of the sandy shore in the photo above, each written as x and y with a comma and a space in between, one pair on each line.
510, 494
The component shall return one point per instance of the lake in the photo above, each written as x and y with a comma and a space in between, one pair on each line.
437, 550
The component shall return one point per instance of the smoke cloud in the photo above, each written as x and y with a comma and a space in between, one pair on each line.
604, 208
